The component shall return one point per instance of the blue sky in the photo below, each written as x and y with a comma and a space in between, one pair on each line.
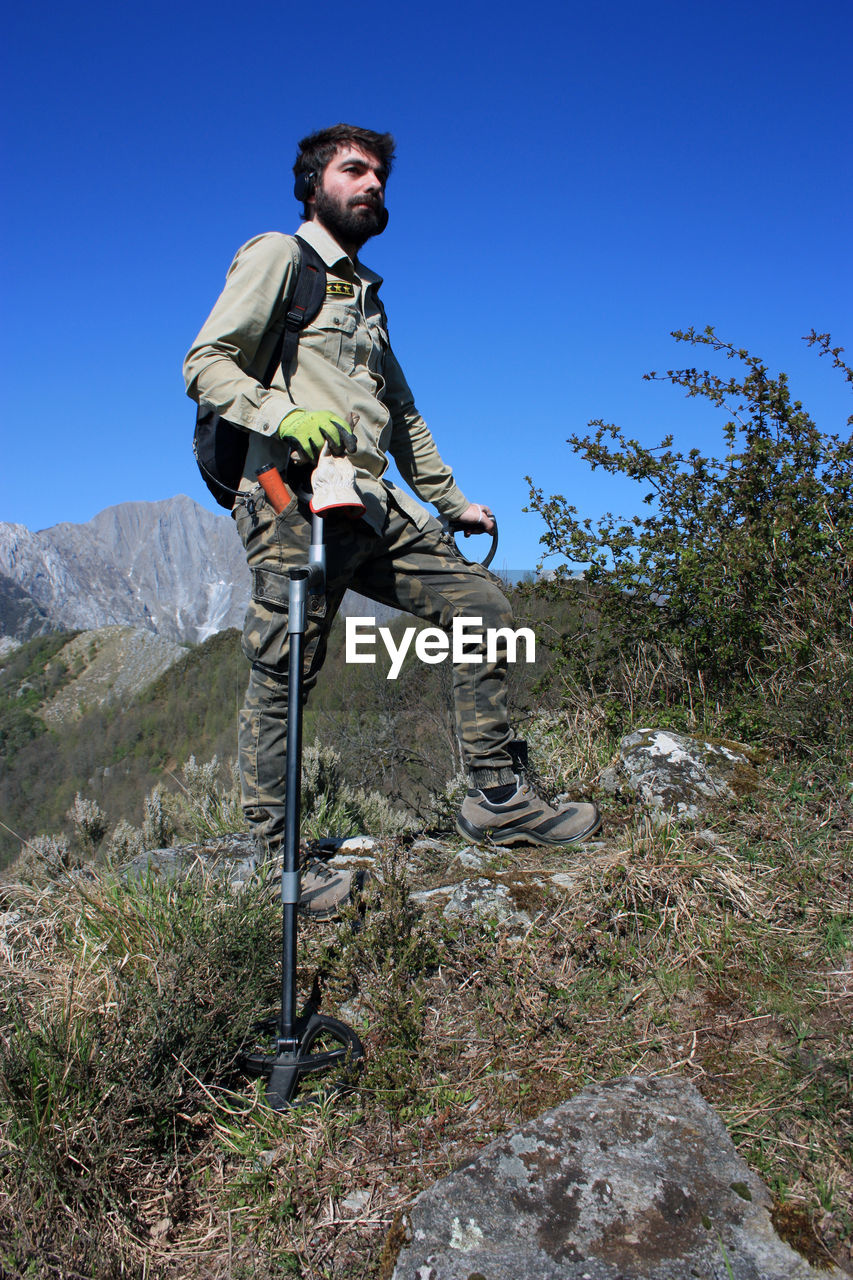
572, 183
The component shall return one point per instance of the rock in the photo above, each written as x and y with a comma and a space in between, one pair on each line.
358, 844
341, 844
568, 880
356, 1201
160, 864
471, 859
636, 1179
682, 775
422, 896
608, 781
428, 845
355, 861
9, 920
482, 899
234, 858
231, 857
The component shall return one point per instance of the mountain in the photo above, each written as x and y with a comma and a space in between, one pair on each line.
106, 713
20, 616
170, 567
108, 666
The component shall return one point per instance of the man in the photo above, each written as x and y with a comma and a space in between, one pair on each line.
347, 389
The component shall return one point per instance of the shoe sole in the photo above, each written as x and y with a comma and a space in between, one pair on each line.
509, 837
330, 913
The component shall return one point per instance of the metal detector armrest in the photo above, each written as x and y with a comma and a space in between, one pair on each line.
453, 527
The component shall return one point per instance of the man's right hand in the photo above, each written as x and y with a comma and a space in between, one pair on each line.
475, 519
308, 432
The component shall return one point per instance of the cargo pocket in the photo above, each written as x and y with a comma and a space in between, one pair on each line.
271, 588
265, 628
266, 638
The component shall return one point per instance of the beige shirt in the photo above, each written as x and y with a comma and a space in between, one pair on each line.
344, 364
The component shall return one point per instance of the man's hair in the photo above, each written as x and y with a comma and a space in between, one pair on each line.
318, 149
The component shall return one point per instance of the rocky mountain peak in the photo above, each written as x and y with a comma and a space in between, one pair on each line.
171, 567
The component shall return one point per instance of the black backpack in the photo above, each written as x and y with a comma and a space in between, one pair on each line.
220, 446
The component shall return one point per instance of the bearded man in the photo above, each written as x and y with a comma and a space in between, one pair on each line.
345, 388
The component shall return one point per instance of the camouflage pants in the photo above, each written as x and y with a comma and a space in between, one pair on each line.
417, 570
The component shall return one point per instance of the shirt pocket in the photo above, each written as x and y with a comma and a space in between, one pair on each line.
379, 346
333, 336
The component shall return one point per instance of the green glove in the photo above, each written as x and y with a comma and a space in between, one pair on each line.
310, 431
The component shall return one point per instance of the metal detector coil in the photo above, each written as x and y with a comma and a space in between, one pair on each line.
322, 1045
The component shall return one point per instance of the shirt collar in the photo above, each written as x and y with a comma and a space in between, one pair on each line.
332, 253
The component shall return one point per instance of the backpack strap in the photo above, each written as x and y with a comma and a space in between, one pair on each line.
308, 297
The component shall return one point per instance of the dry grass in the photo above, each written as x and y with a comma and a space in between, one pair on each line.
723, 957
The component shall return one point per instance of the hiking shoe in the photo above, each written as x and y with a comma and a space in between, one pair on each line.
524, 819
325, 890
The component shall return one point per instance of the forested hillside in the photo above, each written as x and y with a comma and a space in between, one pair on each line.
115, 753
396, 736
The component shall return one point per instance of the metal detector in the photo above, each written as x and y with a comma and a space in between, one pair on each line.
310, 1043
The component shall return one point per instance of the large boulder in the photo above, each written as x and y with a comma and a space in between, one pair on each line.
636, 1179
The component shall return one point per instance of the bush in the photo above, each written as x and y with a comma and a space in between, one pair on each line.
125, 842
88, 821
729, 603
205, 806
157, 825
330, 806
46, 858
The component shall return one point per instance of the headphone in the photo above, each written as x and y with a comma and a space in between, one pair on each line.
303, 189
303, 186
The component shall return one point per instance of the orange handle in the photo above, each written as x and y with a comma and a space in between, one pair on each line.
278, 494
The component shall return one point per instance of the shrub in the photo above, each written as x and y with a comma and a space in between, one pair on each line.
46, 858
88, 821
125, 842
204, 806
330, 806
729, 602
157, 825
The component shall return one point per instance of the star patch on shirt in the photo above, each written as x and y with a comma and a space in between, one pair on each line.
339, 289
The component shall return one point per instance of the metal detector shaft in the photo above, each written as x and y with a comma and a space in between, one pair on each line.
302, 580
311, 1043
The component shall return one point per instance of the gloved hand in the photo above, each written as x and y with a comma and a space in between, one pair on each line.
309, 431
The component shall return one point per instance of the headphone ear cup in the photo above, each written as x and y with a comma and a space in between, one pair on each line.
303, 186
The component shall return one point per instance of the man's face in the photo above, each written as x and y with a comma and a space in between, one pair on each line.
351, 196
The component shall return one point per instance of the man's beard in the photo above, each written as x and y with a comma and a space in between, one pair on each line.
353, 223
